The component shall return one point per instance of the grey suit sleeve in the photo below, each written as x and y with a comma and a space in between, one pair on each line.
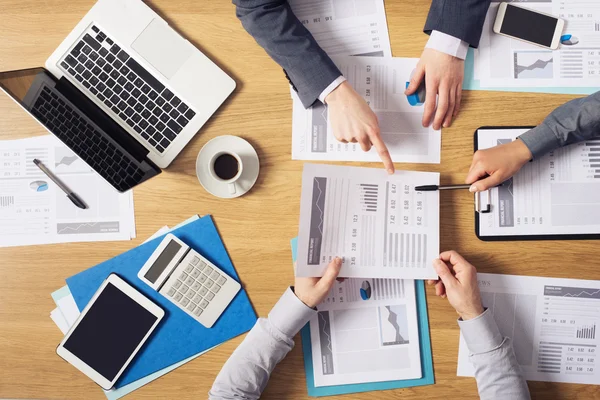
574, 121
497, 372
462, 19
246, 373
275, 27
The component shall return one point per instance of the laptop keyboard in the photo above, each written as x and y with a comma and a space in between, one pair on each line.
127, 89
86, 141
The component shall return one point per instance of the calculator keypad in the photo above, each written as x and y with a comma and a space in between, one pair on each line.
196, 285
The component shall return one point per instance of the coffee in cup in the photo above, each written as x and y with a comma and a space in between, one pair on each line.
226, 166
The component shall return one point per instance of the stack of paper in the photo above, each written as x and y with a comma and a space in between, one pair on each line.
510, 64
367, 329
33, 210
347, 32
348, 345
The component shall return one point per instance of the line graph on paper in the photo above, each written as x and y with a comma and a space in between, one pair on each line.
393, 325
533, 65
87, 227
66, 162
324, 324
573, 292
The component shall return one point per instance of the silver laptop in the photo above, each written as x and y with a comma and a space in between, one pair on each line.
136, 87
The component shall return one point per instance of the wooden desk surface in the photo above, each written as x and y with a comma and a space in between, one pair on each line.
257, 227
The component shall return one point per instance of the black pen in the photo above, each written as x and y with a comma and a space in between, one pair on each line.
432, 188
70, 195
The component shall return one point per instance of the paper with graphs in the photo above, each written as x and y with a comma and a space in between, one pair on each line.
505, 62
552, 324
366, 331
33, 210
377, 223
346, 27
381, 82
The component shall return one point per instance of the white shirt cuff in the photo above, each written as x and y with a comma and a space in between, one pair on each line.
337, 82
445, 43
481, 333
290, 314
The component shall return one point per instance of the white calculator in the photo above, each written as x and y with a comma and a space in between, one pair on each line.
189, 280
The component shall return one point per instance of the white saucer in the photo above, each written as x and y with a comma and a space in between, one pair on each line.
251, 166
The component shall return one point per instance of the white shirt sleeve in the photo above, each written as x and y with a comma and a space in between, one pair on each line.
447, 44
337, 82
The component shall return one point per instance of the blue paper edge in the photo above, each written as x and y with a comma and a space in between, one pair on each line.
424, 344
469, 83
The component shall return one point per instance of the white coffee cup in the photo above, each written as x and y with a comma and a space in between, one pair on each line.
225, 165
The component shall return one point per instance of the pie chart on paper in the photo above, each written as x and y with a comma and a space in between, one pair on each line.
569, 40
365, 290
39, 186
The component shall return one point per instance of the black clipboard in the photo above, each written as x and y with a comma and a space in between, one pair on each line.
508, 238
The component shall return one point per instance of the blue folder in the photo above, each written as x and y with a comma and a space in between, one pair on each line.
178, 336
470, 83
424, 342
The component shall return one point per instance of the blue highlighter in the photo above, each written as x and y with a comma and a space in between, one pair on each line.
418, 97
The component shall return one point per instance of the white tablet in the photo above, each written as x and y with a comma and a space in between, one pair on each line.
110, 331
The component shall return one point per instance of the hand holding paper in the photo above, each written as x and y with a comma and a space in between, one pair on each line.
459, 284
312, 291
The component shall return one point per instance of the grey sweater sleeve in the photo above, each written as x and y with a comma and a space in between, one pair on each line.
574, 121
497, 371
246, 373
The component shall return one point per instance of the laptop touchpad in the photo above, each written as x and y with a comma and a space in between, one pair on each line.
162, 47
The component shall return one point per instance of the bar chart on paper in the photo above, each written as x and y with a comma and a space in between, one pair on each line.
369, 194
557, 194
377, 223
34, 211
552, 323
587, 332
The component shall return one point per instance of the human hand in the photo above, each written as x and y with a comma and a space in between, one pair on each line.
496, 165
444, 76
459, 284
353, 121
312, 291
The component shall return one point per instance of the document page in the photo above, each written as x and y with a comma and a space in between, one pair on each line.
366, 331
346, 27
377, 223
33, 210
552, 324
505, 62
557, 194
381, 82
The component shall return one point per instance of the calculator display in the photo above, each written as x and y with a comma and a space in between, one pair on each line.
162, 261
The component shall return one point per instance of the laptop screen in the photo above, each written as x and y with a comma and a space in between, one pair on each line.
81, 125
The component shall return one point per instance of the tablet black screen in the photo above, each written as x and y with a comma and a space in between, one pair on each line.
110, 331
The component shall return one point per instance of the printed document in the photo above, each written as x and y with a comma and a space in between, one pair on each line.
346, 27
377, 223
505, 62
552, 324
33, 210
381, 82
359, 28
366, 331
557, 194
